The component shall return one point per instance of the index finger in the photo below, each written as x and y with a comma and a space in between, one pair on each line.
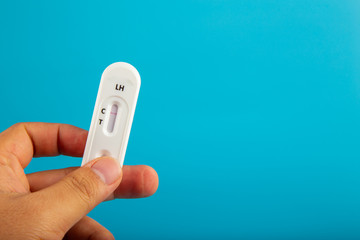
27, 140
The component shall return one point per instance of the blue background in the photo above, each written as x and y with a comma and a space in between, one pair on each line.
249, 110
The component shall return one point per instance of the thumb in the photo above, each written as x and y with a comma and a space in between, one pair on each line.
70, 199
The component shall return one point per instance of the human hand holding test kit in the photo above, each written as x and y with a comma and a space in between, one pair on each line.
53, 204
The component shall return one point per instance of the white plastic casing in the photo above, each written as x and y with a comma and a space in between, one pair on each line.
113, 114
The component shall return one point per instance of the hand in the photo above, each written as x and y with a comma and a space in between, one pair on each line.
53, 204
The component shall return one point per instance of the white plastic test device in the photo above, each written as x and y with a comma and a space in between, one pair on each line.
113, 113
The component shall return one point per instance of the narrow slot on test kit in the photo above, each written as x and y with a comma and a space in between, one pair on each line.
113, 113
112, 118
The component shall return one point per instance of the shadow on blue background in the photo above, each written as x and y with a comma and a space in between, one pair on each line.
249, 110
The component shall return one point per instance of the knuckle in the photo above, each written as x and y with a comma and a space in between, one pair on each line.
86, 189
69, 170
4, 161
18, 126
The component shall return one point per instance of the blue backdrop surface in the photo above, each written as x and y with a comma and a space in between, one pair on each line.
249, 110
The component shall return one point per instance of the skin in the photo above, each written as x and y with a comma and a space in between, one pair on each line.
53, 204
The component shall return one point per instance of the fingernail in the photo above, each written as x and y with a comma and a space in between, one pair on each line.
107, 169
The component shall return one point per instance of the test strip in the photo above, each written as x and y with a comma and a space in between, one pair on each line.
113, 113
112, 118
